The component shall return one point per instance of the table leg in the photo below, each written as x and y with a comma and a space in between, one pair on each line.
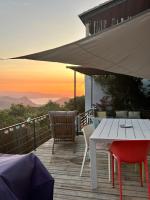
93, 164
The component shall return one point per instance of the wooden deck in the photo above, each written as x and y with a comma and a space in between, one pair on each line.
65, 165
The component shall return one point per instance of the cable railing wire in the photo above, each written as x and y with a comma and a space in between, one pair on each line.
26, 136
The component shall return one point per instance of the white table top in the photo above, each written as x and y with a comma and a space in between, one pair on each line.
110, 129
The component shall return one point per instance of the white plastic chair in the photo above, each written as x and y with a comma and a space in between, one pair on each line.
102, 147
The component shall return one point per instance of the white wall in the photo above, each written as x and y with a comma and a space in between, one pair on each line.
145, 85
97, 92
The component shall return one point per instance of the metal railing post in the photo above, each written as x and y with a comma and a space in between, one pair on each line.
78, 124
34, 136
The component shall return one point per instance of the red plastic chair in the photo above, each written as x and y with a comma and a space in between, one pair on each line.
130, 152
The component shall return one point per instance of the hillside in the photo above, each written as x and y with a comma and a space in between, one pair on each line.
6, 101
61, 101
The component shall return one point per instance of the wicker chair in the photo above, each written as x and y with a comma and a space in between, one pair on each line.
62, 125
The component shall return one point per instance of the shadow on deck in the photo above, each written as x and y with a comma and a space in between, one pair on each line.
65, 166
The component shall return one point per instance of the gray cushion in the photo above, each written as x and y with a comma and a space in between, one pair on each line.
134, 115
122, 114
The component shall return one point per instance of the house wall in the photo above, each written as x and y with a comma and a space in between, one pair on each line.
97, 93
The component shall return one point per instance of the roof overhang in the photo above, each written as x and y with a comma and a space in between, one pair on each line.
89, 71
98, 9
123, 49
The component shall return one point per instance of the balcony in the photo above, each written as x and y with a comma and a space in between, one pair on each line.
65, 166
111, 13
34, 135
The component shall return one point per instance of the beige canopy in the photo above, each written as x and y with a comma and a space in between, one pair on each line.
123, 49
89, 70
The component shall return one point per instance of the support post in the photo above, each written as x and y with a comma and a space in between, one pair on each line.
91, 91
75, 87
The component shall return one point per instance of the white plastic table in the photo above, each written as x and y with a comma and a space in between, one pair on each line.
110, 130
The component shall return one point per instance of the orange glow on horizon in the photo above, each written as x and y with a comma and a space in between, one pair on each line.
40, 77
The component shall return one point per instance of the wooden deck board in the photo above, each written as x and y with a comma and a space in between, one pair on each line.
65, 166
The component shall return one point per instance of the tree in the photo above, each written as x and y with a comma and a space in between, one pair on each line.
19, 113
17, 110
49, 107
6, 119
126, 92
80, 104
104, 104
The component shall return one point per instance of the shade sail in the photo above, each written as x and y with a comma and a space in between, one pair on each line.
89, 70
123, 49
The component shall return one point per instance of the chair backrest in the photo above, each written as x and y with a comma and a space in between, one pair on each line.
130, 151
62, 124
134, 115
122, 114
87, 132
101, 114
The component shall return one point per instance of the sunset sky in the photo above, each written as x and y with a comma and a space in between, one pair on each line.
29, 26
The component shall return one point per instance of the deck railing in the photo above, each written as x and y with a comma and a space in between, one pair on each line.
83, 118
28, 135
25, 136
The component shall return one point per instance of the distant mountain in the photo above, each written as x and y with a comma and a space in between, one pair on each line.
61, 101
6, 101
28, 94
